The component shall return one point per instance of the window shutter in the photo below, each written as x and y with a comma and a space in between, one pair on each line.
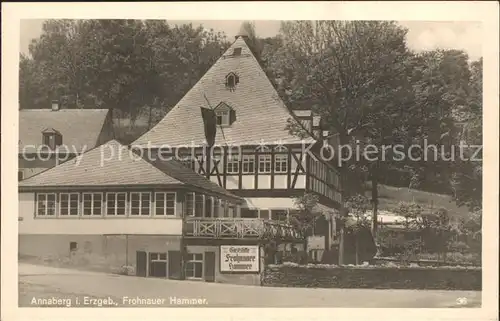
232, 116
174, 265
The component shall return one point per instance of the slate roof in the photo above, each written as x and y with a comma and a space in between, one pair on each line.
78, 127
261, 116
113, 164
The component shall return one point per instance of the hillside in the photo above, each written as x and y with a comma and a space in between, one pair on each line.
389, 197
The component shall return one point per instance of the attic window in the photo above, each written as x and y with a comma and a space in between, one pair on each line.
225, 115
51, 138
236, 51
232, 80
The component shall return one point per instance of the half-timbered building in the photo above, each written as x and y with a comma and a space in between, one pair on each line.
253, 155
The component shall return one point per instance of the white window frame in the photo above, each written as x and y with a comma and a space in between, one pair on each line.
223, 115
281, 159
265, 159
233, 160
132, 194
46, 203
92, 207
194, 260
78, 212
116, 204
165, 207
193, 204
247, 160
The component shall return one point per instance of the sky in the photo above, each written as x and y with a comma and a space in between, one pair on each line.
422, 35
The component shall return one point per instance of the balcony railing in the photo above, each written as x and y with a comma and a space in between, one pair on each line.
239, 228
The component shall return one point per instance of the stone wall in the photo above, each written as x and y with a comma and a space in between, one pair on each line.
442, 278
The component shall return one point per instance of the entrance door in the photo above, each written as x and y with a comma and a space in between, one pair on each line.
209, 266
141, 263
158, 265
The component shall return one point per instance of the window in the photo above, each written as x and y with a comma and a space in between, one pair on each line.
92, 204
232, 80
46, 204
69, 204
208, 206
237, 51
264, 214
51, 138
189, 163
73, 246
140, 204
165, 203
199, 203
189, 204
264, 163
279, 215
249, 213
218, 208
231, 211
280, 163
116, 204
233, 164
222, 117
248, 164
194, 266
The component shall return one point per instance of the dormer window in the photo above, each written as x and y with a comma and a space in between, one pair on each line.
51, 138
225, 115
232, 80
222, 117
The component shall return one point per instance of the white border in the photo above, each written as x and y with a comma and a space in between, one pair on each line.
487, 12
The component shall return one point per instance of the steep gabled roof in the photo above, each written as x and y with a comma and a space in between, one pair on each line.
79, 127
261, 115
114, 164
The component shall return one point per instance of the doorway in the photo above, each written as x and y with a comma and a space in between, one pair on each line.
158, 265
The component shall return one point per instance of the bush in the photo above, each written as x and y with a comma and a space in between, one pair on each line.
127, 270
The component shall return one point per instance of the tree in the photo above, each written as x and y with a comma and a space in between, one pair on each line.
358, 206
306, 215
132, 66
353, 74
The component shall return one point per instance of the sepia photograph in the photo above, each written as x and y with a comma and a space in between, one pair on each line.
249, 163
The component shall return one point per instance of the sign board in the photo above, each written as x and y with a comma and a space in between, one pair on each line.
316, 243
240, 258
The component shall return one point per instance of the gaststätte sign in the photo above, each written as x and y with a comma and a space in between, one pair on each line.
239, 258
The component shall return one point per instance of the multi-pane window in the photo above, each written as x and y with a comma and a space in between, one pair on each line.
280, 163
199, 204
248, 164
233, 164
46, 204
189, 204
92, 204
140, 203
116, 204
165, 203
222, 117
264, 163
194, 266
69, 204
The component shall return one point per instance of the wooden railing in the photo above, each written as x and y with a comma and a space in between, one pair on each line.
231, 228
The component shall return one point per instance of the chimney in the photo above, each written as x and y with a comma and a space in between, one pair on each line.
55, 105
